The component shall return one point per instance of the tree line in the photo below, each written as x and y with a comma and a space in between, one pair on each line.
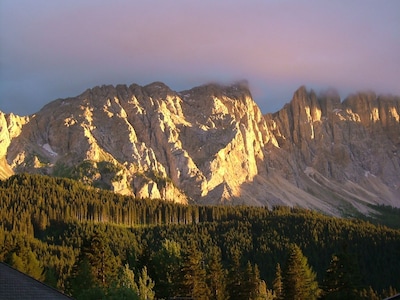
51, 228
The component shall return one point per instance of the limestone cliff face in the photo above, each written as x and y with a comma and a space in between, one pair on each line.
10, 128
211, 144
353, 144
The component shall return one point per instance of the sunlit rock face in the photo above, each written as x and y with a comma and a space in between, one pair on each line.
211, 144
10, 128
353, 144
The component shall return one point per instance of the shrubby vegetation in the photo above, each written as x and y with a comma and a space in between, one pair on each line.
93, 244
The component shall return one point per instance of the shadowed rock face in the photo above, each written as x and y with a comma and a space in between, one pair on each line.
212, 144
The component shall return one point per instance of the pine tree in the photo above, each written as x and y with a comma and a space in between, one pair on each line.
277, 284
216, 275
103, 263
251, 280
299, 282
259, 287
235, 278
342, 278
145, 286
123, 288
33, 267
17, 263
167, 264
194, 274
81, 278
367, 294
263, 292
389, 293
127, 279
26, 262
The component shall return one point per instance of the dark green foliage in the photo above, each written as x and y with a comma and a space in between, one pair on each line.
102, 261
90, 172
300, 281
385, 215
277, 284
70, 227
99, 272
166, 264
121, 293
82, 278
216, 277
145, 286
22, 258
342, 278
26, 262
157, 178
252, 282
194, 274
235, 278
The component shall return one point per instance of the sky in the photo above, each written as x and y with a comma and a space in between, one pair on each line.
58, 49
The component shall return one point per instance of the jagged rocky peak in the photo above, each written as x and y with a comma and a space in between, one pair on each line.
219, 105
296, 120
341, 142
372, 109
307, 106
158, 89
10, 127
329, 101
209, 92
212, 144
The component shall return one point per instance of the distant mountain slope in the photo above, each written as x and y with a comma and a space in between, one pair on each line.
211, 144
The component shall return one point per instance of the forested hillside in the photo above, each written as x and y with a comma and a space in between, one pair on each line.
92, 243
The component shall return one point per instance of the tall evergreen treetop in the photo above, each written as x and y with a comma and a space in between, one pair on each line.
299, 281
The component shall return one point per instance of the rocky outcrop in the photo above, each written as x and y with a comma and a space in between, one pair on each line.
211, 144
353, 144
10, 128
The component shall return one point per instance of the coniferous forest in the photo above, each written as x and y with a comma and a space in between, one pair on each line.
94, 244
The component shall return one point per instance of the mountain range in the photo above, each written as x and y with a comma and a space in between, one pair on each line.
212, 145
